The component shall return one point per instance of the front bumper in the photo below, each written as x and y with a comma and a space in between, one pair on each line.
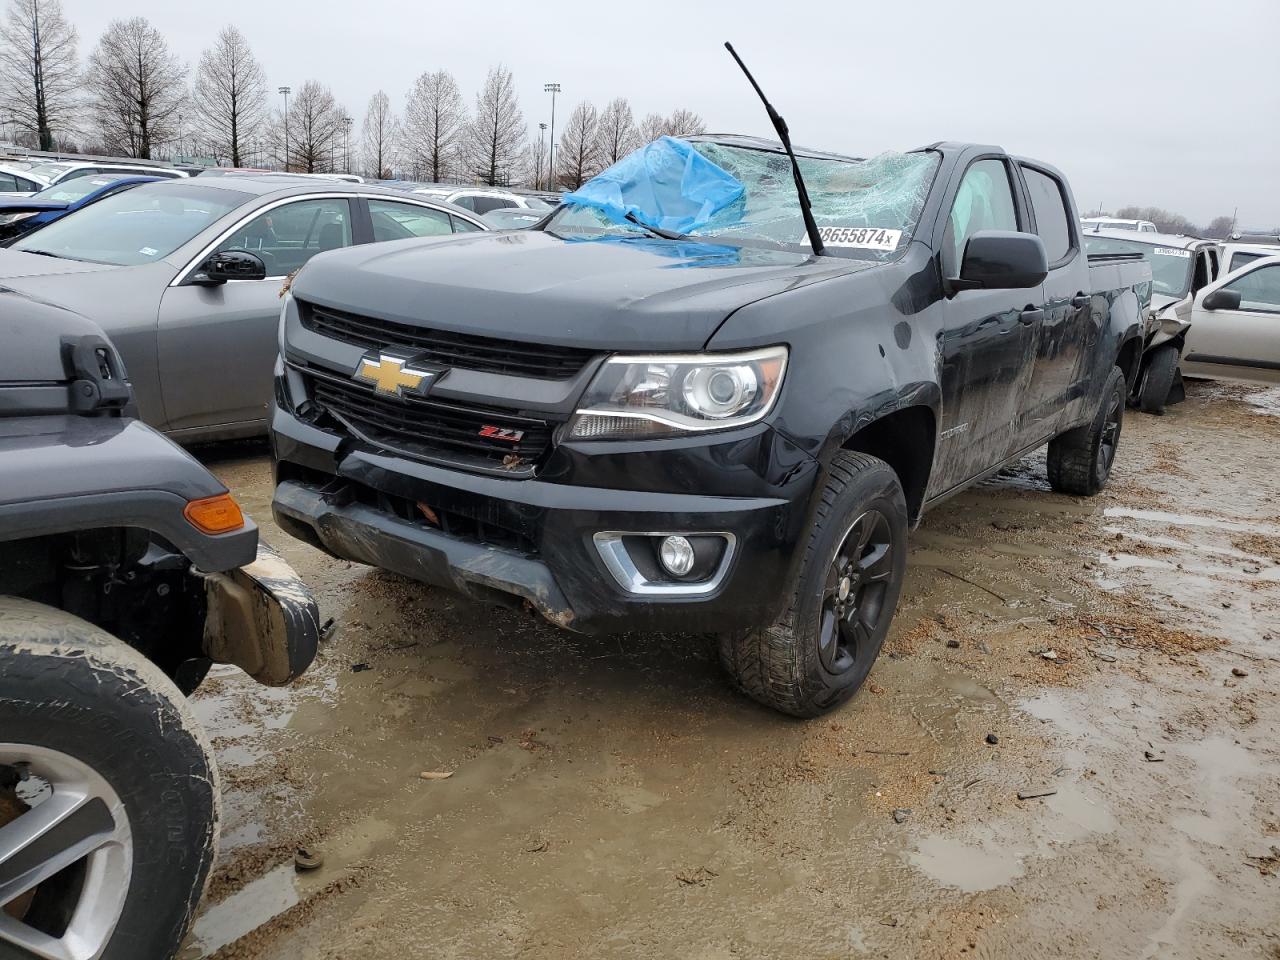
334, 492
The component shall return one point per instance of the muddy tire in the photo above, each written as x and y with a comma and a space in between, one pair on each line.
819, 652
1080, 460
1156, 379
117, 817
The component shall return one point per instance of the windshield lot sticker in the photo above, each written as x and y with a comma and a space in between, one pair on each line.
148, 251
865, 238
1172, 252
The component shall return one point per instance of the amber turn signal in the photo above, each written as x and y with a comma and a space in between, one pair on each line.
219, 514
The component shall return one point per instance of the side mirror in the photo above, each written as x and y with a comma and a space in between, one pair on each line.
230, 265
1002, 260
1222, 300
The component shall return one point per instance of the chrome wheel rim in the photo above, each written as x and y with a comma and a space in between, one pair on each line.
853, 595
76, 820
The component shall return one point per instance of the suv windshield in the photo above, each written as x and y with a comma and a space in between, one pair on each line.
1170, 266
866, 209
136, 226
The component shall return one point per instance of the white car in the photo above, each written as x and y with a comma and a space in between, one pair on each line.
481, 201
1114, 223
1235, 326
16, 182
56, 171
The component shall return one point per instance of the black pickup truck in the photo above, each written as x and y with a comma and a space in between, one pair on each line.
626, 429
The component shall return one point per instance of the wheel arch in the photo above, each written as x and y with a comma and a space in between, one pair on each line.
905, 438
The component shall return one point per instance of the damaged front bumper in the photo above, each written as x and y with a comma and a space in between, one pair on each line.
261, 618
560, 559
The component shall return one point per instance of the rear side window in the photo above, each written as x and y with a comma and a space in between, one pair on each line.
1051, 213
400, 221
486, 204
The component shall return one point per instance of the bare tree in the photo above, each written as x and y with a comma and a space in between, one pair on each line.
315, 130
39, 70
139, 87
497, 133
577, 152
684, 123
1219, 228
380, 134
230, 94
651, 128
616, 135
435, 123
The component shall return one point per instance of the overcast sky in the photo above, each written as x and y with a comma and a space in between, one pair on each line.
1172, 103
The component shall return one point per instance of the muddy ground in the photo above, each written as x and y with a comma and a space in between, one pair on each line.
611, 797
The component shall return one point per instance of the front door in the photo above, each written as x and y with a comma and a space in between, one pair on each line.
217, 345
1242, 344
986, 339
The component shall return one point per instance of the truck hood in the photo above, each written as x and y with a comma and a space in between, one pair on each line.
606, 293
15, 264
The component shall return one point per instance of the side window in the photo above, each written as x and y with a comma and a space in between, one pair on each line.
463, 226
1051, 213
1213, 264
9, 183
287, 237
983, 202
1238, 260
467, 203
400, 221
82, 172
1201, 275
485, 204
1259, 290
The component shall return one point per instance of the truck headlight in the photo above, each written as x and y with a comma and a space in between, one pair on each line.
660, 396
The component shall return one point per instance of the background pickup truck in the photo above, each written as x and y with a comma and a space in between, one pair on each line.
625, 428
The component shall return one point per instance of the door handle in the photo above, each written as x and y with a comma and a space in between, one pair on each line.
1080, 300
1030, 316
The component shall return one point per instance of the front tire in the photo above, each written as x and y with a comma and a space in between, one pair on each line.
1080, 460
820, 651
1156, 380
116, 820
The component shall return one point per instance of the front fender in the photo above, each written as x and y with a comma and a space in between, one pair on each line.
66, 473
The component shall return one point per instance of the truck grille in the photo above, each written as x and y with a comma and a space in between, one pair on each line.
435, 431
517, 358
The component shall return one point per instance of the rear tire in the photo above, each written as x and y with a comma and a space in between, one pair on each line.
820, 651
1080, 460
1156, 380
94, 722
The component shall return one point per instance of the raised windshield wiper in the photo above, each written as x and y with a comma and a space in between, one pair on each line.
656, 231
780, 125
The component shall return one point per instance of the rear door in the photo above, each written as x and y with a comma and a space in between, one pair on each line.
988, 335
217, 344
1065, 331
1241, 344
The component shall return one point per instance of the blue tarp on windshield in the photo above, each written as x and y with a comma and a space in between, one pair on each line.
666, 184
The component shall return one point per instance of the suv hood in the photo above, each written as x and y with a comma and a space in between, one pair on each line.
611, 293
31, 333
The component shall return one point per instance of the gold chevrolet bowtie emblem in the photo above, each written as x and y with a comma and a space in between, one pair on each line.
394, 376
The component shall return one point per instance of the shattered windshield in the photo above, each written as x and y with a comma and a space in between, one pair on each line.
866, 209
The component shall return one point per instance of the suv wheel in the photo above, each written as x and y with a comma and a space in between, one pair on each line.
821, 649
108, 795
1080, 460
1156, 379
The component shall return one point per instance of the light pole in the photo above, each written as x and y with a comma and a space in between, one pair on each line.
286, 91
346, 142
553, 89
542, 132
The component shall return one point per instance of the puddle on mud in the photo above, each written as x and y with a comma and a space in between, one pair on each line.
254, 904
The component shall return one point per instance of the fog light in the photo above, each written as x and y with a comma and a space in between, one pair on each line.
677, 556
